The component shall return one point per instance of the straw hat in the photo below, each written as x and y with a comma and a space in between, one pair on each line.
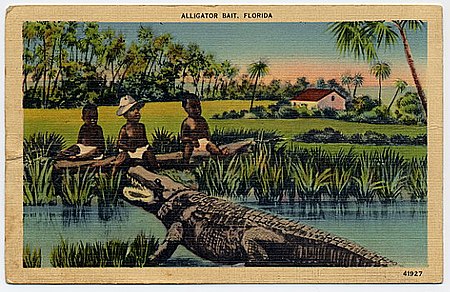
126, 103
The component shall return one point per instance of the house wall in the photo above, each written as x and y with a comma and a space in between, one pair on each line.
332, 100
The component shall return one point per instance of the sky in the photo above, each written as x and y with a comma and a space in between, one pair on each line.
291, 50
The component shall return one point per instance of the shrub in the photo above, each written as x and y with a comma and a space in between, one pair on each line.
420, 140
43, 145
329, 113
287, 112
327, 135
164, 141
400, 139
226, 136
374, 138
260, 112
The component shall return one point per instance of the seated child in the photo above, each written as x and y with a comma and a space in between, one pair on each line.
195, 134
132, 142
90, 143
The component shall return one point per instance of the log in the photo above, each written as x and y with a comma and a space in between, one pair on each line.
174, 159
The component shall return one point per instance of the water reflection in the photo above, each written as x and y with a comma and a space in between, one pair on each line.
328, 210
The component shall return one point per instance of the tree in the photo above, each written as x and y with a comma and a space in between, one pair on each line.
363, 38
357, 81
257, 70
346, 80
381, 71
401, 86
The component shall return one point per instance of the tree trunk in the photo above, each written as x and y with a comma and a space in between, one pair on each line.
412, 67
379, 91
254, 92
354, 91
392, 101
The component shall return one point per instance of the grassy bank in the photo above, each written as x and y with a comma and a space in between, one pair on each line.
170, 115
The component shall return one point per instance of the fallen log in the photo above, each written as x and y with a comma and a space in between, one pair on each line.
174, 159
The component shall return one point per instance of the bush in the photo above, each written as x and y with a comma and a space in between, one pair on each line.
260, 112
43, 145
374, 138
364, 103
327, 135
329, 113
226, 136
164, 141
287, 112
400, 139
410, 110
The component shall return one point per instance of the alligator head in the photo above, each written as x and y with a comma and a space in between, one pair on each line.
148, 189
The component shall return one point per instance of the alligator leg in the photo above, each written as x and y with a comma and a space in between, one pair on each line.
169, 245
254, 241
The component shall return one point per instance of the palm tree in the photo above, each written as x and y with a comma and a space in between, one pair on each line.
381, 71
346, 80
257, 70
357, 81
363, 38
401, 86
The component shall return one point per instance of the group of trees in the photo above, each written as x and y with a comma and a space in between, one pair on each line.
66, 64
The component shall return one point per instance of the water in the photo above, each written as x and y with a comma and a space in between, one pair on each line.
398, 232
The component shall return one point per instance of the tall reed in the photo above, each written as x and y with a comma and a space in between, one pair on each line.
38, 187
112, 253
393, 178
77, 188
31, 259
218, 178
108, 187
417, 179
366, 180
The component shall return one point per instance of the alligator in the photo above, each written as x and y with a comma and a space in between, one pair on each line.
228, 233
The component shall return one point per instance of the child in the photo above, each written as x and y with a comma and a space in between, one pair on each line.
132, 142
90, 143
195, 134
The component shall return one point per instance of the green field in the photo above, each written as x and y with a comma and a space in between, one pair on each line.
170, 115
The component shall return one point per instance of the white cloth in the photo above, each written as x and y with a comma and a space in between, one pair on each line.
86, 149
138, 153
202, 145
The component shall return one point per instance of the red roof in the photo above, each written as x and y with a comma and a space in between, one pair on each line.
313, 94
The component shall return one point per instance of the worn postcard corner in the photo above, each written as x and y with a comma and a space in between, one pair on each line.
224, 144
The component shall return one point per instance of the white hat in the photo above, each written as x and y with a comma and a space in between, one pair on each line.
126, 103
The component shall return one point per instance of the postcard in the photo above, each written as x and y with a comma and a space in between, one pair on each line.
224, 144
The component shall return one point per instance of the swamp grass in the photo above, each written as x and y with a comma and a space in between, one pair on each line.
31, 258
112, 253
313, 175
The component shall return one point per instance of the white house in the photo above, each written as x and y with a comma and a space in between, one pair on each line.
319, 98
